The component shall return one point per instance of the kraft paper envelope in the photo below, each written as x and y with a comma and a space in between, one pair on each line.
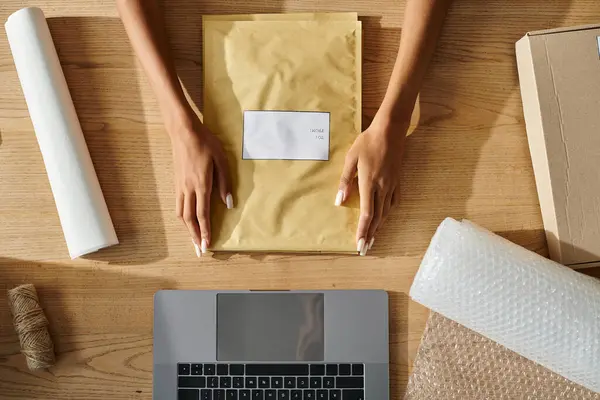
339, 16
284, 97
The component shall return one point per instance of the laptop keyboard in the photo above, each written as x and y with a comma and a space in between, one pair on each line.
270, 381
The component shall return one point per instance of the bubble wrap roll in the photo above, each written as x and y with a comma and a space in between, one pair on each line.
535, 307
83, 214
455, 363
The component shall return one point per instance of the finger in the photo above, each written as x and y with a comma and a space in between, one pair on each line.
179, 205
190, 220
387, 205
203, 214
348, 174
379, 202
395, 196
365, 188
222, 169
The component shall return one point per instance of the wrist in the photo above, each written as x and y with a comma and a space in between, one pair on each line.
397, 108
179, 121
391, 122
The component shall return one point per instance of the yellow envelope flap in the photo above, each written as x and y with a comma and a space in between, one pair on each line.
334, 16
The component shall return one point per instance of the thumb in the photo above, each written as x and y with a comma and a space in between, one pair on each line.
348, 174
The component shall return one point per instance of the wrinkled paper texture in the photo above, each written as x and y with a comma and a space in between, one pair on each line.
291, 62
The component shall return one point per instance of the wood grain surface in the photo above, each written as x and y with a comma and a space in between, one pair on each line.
468, 159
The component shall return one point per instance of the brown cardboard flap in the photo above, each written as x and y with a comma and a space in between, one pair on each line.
563, 29
559, 74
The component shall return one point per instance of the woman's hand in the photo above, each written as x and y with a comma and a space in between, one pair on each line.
376, 158
198, 158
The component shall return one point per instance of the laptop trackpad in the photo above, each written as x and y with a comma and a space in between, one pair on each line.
270, 327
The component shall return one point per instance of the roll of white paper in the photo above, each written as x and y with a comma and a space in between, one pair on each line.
535, 307
83, 214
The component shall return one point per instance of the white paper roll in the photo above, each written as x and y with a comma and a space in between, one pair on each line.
535, 307
81, 207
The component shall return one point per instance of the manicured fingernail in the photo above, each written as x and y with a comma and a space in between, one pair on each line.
364, 250
197, 248
204, 246
371, 243
339, 198
229, 201
360, 246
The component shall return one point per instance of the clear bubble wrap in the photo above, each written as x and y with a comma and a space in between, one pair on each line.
455, 363
535, 307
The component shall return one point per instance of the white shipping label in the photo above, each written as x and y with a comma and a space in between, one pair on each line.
286, 135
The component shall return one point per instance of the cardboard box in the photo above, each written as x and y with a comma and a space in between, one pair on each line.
559, 74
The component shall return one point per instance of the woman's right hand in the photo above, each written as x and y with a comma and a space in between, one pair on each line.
198, 158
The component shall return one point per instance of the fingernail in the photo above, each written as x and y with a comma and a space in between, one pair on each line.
339, 198
371, 243
197, 248
204, 246
360, 245
229, 201
364, 250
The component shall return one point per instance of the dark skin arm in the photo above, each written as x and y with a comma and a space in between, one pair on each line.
197, 153
375, 156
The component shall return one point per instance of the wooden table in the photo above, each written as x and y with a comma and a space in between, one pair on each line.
468, 159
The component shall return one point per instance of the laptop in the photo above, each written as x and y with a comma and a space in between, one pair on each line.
276, 345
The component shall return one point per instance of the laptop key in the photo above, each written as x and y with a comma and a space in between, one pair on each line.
332, 369
353, 394
225, 382
188, 394
238, 382
209, 369
206, 394
244, 394
302, 382
232, 394
236, 369
309, 395
350, 382
270, 394
329, 382
212, 382
315, 382
263, 383
296, 395
258, 394
219, 394
183, 369
191, 382
335, 394
283, 394
358, 369
317, 369
289, 382
277, 369
276, 382
196, 369
251, 382
345, 369
222, 369
322, 395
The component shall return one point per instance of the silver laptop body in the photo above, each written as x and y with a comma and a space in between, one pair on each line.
245, 340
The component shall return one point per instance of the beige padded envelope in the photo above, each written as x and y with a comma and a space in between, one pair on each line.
283, 93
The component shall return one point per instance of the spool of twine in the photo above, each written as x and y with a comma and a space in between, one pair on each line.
32, 327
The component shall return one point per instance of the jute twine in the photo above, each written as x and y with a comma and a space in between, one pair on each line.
32, 327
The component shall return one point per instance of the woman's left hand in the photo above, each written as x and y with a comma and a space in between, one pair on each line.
376, 159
